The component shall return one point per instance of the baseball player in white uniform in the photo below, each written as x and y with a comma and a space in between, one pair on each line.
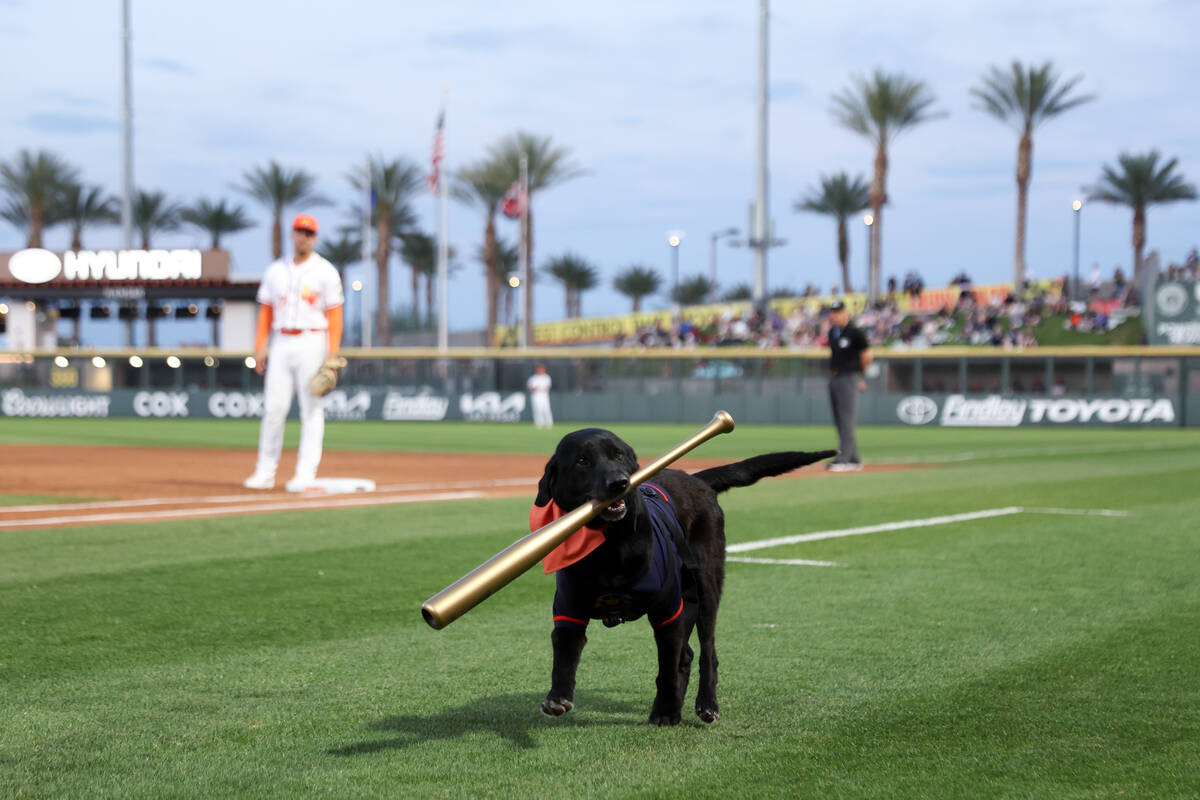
539, 397
300, 311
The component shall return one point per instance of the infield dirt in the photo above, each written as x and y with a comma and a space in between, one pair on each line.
163, 483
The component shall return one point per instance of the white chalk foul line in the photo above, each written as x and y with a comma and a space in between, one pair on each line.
335, 501
94, 505
761, 544
799, 562
898, 526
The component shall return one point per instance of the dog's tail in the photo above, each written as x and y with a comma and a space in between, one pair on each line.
744, 473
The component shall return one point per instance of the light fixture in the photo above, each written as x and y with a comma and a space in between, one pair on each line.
98, 362
357, 286
173, 362
213, 311
868, 220
100, 312
209, 361
250, 362
1078, 204
61, 362
514, 281
135, 361
3, 308
187, 312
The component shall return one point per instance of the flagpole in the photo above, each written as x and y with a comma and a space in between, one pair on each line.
526, 331
366, 253
443, 246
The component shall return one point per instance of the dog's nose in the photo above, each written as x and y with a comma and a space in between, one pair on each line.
617, 485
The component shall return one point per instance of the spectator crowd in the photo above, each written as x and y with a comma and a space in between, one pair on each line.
1005, 322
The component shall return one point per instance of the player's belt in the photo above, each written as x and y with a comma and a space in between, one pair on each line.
297, 331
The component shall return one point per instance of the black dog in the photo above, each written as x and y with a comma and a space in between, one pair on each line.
669, 566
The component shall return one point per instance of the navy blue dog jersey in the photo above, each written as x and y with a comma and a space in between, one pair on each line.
657, 593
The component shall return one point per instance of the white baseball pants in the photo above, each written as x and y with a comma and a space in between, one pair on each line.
292, 361
540, 402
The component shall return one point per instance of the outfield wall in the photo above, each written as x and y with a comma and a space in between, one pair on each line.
1136, 386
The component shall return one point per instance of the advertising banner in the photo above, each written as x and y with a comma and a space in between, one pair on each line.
995, 411
1175, 313
341, 405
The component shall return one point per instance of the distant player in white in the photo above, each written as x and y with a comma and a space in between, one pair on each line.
300, 311
539, 396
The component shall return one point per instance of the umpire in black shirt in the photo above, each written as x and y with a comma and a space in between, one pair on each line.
849, 355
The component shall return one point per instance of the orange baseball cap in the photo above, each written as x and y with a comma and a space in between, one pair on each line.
304, 222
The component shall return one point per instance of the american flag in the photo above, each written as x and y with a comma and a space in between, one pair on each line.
439, 152
513, 204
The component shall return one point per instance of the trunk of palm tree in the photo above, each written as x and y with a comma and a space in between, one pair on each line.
76, 238
527, 233
1024, 170
429, 301
216, 241
416, 295
491, 279
878, 198
383, 323
637, 303
277, 236
1139, 243
36, 221
844, 254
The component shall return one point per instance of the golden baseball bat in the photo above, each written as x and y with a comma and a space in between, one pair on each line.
501, 569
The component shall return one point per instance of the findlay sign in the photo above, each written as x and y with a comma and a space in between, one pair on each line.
995, 411
35, 266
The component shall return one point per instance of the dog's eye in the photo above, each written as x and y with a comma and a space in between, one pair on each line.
583, 461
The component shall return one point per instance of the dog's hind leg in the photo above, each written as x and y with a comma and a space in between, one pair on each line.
706, 696
686, 655
568, 646
669, 700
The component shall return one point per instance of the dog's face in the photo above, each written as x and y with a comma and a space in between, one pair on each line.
589, 464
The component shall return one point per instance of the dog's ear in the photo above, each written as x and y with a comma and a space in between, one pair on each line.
547, 484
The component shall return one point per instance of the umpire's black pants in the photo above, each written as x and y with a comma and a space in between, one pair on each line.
843, 397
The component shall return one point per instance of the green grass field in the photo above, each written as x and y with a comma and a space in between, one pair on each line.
1028, 655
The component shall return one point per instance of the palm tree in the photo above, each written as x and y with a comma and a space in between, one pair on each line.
278, 188
1025, 97
153, 212
393, 184
637, 282
36, 182
419, 251
880, 108
742, 291
507, 263
1140, 182
342, 251
546, 166
692, 291
839, 196
576, 276
81, 205
483, 185
216, 219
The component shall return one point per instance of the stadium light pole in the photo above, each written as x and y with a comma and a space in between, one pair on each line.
1077, 207
712, 258
868, 221
674, 239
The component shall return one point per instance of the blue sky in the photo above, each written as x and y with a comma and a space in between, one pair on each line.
655, 100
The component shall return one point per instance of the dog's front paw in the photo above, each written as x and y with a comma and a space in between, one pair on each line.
556, 706
707, 711
663, 715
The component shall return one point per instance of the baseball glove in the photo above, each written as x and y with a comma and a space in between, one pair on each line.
326, 378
